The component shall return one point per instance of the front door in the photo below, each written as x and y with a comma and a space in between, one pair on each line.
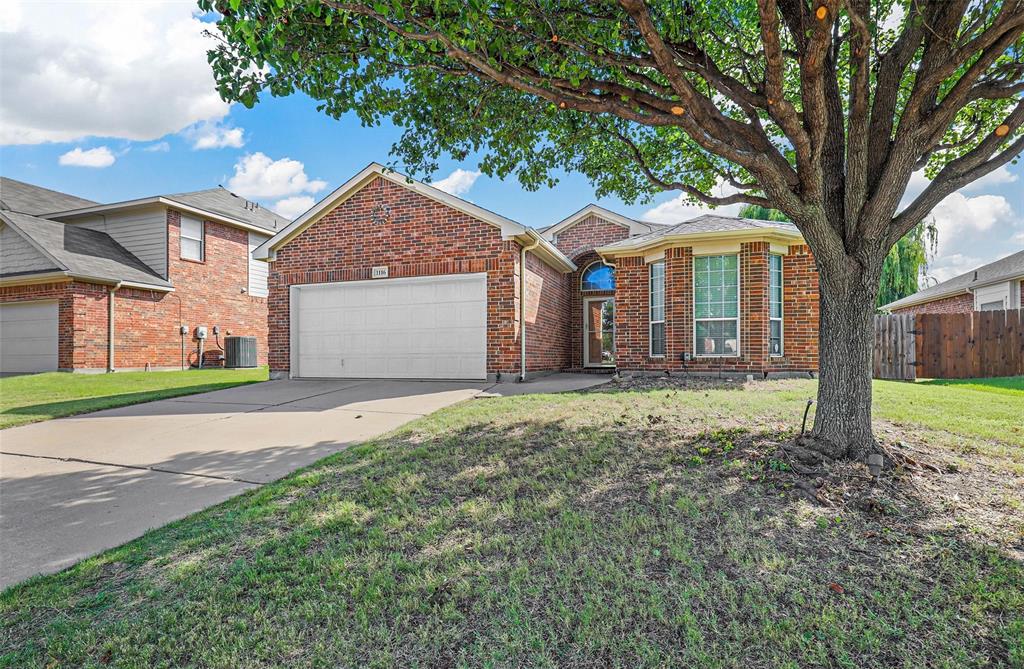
599, 332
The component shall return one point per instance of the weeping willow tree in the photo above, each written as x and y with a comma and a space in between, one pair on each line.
903, 267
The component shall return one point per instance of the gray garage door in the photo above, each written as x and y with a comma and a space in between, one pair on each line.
28, 337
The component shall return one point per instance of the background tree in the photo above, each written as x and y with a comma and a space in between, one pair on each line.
821, 109
902, 269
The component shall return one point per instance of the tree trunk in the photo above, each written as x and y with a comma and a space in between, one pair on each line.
842, 422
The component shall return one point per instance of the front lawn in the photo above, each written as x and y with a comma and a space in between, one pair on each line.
35, 397
648, 527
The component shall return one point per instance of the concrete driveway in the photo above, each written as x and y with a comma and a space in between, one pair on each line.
72, 487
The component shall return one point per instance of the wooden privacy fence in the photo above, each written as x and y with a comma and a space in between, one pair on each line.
949, 346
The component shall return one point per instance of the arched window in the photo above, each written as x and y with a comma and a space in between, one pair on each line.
598, 276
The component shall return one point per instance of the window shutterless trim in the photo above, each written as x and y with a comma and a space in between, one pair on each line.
782, 306
650, 309
201, 239
739, 305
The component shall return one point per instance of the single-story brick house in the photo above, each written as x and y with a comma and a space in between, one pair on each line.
388, 277
997, 285
96, 287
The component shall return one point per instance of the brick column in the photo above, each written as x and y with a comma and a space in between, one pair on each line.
631, 345
754, 305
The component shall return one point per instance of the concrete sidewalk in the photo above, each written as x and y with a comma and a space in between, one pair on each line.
72, 487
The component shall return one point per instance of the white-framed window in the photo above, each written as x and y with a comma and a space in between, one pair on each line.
716, 305
192, 241
598, 276
992, 306
775, 304
657, 309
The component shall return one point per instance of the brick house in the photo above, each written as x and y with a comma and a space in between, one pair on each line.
997, 285
388, 277
97, 287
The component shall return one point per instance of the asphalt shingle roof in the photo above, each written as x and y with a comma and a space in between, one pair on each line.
83, 252
224, 202
1005, 268
704, 224
30, 199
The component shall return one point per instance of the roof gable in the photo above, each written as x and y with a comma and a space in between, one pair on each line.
635, 227
509, 228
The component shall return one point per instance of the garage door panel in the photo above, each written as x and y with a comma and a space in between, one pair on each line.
429, 327
28, 337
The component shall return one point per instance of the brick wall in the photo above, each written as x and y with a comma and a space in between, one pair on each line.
588, 233
578, 243
547, 316
800, 313
956, 304
209, 293
419, 237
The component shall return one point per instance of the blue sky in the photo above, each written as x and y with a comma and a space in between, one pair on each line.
113, 100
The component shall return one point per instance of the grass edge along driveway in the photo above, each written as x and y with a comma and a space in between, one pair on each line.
32, 398
621, 527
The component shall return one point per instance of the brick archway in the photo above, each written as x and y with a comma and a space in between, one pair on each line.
582, 262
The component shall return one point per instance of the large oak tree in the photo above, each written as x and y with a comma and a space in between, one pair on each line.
821, 109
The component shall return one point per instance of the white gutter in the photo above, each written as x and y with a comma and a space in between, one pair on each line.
522, 306
110, 327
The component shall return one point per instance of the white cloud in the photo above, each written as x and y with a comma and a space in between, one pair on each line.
98, 157
257, 176
680, 208
216, 136
458, 182
997, 177
159, 147
123, 69
291, 207
967, 226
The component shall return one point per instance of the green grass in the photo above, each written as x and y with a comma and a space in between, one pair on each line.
36, 397
989, 409
633, 529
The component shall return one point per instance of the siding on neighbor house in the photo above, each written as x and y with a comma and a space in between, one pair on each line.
142, 232
17, 255
421, 237
258, 270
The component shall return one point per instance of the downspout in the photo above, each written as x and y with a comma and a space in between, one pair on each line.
110, 327
522, 306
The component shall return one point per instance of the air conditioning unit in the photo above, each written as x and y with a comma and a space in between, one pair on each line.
239, 352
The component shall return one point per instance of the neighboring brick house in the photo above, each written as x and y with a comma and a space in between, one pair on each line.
388, 277
73, 271
997, 285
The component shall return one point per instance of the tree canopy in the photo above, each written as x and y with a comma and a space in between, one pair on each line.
820, 109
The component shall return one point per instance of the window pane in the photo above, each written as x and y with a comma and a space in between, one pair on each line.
191, 249
191, 228
657, 339
775, 343
598, 276
657, 303
729, 264
717, 338
700, 264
